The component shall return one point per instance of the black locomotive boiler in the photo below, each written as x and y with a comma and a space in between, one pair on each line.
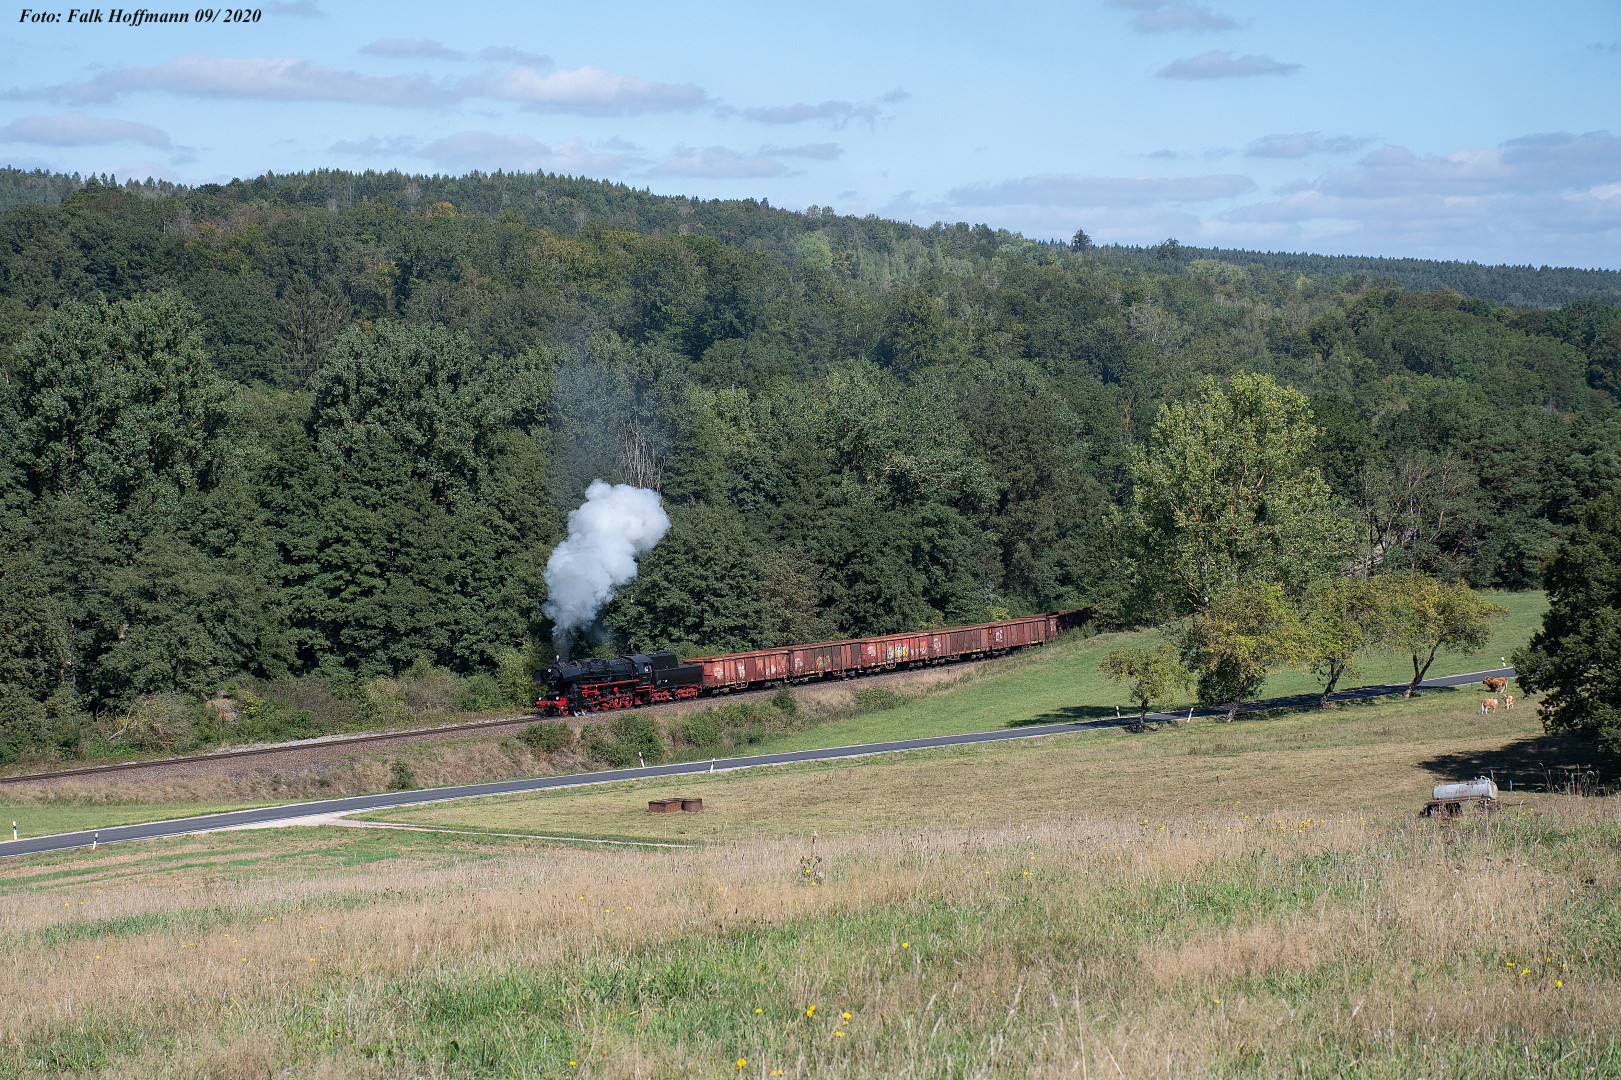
593, 684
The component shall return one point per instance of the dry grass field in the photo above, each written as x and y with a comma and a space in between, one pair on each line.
1382, 755
1248, 900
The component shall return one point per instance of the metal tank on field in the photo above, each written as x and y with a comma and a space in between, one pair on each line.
1479, 788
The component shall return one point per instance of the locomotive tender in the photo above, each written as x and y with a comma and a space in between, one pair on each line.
628, 682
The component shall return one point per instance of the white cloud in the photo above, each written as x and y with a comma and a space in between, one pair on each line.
836, 113
1072, 190
411, 49
593, 92
1303, 145
1220, 64
718, 162
896, 96
825, 151
1164, 16
77, 129
271, 79
522, 153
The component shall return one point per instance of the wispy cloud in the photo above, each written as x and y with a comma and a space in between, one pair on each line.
1303, 145
1220, 64
822, 151
506, 54
1551, 189
274, 80
896, 96
1166, 16
587, 91
718, 162
376, 146
1070, 189
592, 91
835, 113
77, 129
1609, 47
522, 153
411, 49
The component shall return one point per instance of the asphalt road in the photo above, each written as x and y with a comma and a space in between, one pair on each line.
353, 804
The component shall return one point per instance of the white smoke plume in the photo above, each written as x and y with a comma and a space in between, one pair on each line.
616, 525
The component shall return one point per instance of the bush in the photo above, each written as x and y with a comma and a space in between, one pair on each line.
619, 741
480, 693
548, 736
699, 730
328, 711
740, 724
873, 699
162, 723
258, 717
425, 688
515, 671
401, 777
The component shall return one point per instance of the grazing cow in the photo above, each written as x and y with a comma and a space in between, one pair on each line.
1508, 702
1496, 683
1488, 705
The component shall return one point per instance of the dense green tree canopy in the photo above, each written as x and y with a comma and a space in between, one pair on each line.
332, 425
1222, 495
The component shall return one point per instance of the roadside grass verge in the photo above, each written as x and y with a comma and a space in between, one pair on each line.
60, 816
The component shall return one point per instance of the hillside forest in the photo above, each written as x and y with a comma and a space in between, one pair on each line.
316, 435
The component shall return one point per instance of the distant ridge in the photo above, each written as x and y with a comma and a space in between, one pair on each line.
566, 204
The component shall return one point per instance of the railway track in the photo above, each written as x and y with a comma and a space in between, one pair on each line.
308, 752
339, 743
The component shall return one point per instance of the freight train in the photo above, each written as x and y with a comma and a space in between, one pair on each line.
576, 687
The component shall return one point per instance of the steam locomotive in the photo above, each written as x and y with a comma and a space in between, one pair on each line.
628, 682
593, 684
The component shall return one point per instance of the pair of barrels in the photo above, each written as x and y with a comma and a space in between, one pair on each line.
670, 806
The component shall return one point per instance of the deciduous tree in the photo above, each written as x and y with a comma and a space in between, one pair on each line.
1156, 676
1421, 615
1221, 496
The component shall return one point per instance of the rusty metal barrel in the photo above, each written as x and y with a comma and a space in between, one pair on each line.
663, 806
692, 806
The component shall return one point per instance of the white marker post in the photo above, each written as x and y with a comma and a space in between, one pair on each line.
14, 830
94, 840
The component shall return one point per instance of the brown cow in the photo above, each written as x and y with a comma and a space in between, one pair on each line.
1488, 705
1496, 683
1508, 702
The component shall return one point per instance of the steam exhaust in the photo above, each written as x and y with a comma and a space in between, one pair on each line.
615, 526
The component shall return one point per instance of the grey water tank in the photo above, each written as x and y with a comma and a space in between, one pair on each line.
1479, 788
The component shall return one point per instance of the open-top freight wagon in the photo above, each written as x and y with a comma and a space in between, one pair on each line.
628, 682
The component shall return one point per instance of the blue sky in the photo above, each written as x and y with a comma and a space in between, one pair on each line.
1442, 130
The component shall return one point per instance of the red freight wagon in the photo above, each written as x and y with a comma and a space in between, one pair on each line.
800, 663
